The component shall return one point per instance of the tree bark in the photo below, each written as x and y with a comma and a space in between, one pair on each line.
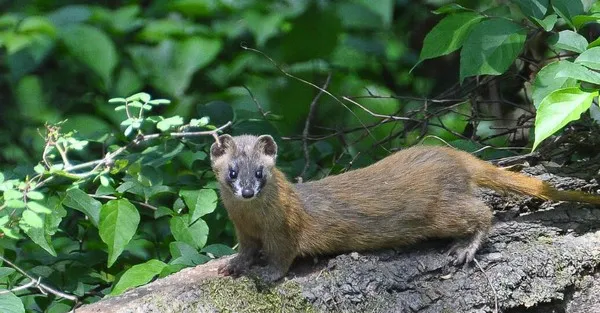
539, 257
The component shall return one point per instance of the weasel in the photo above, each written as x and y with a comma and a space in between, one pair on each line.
412, 195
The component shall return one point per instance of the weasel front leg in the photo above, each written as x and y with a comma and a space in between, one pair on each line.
248, 255
280, 252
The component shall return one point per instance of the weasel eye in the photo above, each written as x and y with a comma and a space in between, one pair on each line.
259, 173
233, 174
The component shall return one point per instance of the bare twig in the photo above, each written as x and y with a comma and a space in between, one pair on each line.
393, 117
260, 108
144, 204
63, 154
490, 284
36, 282
311, 114
284, 72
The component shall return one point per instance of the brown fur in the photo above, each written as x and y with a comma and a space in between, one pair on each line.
412, 195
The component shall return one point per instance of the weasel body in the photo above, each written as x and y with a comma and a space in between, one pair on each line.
410, 196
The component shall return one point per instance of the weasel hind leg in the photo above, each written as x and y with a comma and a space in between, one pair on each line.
476, 220
465, 249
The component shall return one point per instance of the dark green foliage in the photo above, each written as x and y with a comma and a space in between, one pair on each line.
98, 196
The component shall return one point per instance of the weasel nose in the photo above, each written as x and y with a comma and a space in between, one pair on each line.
247, 193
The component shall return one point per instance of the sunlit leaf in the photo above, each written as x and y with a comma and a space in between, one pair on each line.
200, 202
194, 234
546, 81
9, 303
590, 58
568, 40
558, 109
138, 275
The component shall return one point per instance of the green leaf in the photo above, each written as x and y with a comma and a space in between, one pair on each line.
12, 194
38, 207
491, 47
200, 202
15, 204
199, 122
590, 58
32, 219
37, 25
92, 47
163, 211
580, 20
218, 250
9, 303
594, 43
448, 35
194, 7
171, 64
35, 195
383, 8
141, 96
183, 253
548, 22
296, 46
568, 40
117, 100
159, 101
41, 236
450, 8
576, 71
119, 220
559, 108
534, 8
5, 271
546, 81
81, 201
59, 307
169, 123
31, 98
263, 26
567, 9
138, 275
195, 234
70, 14
87, 126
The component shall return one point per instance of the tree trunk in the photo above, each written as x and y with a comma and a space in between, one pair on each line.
541, 260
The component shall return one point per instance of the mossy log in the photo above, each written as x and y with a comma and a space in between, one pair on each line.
540, 257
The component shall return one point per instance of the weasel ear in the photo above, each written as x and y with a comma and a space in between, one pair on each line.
266, 145
226, 144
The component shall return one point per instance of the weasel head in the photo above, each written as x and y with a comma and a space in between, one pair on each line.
243, 164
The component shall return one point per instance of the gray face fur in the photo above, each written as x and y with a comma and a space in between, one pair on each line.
243, 163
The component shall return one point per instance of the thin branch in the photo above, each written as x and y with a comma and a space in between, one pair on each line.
260, 108
63, 154
490, 284
396, 118
109, 157
144, 204
284, 72
309, 118
38, 284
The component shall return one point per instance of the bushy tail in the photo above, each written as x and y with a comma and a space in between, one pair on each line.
487, 175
